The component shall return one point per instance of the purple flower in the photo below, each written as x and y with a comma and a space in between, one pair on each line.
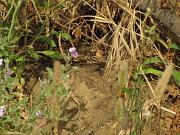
73, 52
1, 62
39, 114
2, 111
8, 73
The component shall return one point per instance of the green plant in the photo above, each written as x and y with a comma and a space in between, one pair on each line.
131, 104
11, 98
18, 42
51, 100
18, 116
145, 66
135, 105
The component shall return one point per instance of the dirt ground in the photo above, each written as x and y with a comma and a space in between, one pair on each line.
95, 102
169, 124
92, 106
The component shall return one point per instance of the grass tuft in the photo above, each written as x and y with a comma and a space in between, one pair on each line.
162, 83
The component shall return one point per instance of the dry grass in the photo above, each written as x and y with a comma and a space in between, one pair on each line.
130, 40
127, 42
126, 37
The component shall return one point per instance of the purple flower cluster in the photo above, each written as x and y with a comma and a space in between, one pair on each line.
8, 73
39, 114
73, 52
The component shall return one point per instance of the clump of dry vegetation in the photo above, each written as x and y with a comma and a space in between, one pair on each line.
140, 59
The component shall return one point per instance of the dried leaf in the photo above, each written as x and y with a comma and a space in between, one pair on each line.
41, 122
77, 32
24, 114
99, 54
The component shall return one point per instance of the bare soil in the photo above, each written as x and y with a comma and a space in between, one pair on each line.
92, 106
168, 124
95, 103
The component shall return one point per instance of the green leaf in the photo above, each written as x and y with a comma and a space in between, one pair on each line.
176, 76
44, 3
33, 54
23, 102
152, 71
47, 93
53, 32
135, 75
127, 91
51, 42
8, 119
48, 40
5, 28
51, 54
4, 41
18, 58
60, 5
65, 36
174, 46
50, 72
64, 119
22, 81
152, 60
151, 30
15, 40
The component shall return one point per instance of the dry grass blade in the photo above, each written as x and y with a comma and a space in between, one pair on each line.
162, 83
125, 5
99, 19
115, 47
128, 39
60, 48
149, 84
